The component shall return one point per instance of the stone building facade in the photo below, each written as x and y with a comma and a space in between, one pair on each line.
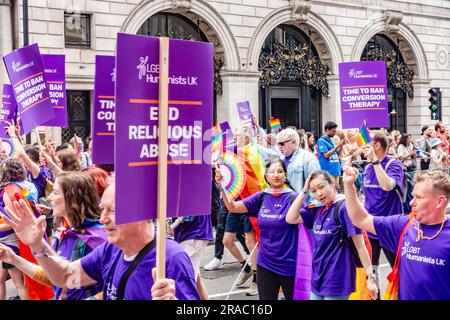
418, 30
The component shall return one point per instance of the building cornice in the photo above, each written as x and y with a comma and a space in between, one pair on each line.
412, 9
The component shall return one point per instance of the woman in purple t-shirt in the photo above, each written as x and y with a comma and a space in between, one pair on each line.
277, 254
75, 208
333, 266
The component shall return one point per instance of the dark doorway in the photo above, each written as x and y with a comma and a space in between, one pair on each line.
78, 108
287, 110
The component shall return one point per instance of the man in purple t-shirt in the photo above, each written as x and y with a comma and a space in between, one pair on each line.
383, 188
108, 262
424, 270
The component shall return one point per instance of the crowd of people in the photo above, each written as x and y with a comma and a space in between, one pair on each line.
59, 240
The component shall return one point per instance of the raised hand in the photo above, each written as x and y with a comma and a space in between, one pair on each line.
28, 228
350, 175
6, 254
369, 153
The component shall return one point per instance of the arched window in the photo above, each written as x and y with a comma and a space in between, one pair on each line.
171, 25
399, 77
293, 79
177, 26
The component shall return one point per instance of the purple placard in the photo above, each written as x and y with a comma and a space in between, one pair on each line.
26, 73
245, 113
227, 132
103, 112
363, 90
9, 109
55, 73
190, 117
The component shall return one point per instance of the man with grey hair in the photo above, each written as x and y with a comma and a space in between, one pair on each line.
130, 247
299, 162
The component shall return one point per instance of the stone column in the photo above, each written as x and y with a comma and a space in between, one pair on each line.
331, 106
237, 86
6, 40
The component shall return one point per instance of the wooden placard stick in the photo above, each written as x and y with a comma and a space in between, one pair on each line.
38, 139
162, 157
46, 140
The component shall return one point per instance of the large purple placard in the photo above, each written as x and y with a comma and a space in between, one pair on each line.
364, 95
55, 73
104, 110
136, 140
9, 109
26, 73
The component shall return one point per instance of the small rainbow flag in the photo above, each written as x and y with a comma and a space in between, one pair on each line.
216, 142
275, 123
75, 145
363, 137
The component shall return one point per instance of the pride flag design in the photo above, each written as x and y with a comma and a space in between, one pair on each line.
216, 143
275, 123
234, 178
363, 136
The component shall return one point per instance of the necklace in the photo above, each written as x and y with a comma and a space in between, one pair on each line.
420, 235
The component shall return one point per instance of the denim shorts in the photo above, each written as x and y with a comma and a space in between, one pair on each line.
238, 223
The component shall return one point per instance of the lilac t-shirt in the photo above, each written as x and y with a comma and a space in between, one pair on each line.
377, 201
200, 228
278, 239
106, 265
334, 269
64, 248
424, 265
287, 160
39, 182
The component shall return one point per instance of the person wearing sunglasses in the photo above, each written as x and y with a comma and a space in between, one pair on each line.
299, 162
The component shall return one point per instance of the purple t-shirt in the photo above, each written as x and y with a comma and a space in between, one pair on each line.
287, 160
200, 228
106, 265
424, 265
377, 201
65, 248
334, 269
39, 182
278, 239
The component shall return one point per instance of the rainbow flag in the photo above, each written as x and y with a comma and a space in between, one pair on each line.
275, 124
363, 137
75, 145
216, 142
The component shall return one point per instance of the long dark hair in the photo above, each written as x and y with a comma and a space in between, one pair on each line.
283, 165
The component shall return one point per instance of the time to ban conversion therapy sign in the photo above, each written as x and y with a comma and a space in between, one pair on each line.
136, 127
363, 90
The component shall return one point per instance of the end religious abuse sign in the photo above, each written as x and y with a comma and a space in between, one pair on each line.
363, 90
136, 138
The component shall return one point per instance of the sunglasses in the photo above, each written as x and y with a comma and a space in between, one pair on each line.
281, 144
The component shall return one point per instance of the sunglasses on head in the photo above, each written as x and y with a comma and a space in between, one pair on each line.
281, 144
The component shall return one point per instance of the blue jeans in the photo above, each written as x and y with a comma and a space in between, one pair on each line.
314, 296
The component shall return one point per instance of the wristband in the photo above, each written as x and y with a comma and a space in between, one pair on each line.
42, 254
13, 136
372, 276
376, 162
52, 167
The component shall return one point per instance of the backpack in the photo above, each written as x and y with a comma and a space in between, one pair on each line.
344, 236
